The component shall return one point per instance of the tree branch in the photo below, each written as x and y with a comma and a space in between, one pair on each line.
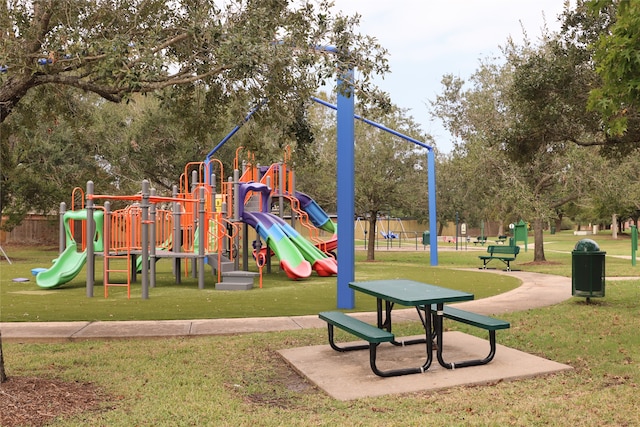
563, 201
166, 44
115, 93
107, 92
41, 20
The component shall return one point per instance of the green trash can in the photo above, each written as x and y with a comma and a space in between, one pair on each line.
587, 270
426, 238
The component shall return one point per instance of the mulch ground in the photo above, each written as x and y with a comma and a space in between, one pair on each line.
34, 402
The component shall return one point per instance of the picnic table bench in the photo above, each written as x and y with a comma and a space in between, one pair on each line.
501, 239
504, 253
374, 336
480, 239
481, 321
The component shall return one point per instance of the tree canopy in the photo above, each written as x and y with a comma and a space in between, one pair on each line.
207, 63
524, 121
617, 61
255, 49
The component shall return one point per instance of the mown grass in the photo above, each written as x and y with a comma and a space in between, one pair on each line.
240, 380
279, 296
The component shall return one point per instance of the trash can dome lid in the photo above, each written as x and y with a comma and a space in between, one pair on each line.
587, 245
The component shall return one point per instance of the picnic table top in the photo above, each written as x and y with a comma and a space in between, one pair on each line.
409, 292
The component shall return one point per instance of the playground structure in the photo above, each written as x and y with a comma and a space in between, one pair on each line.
345, 193
131, 240
345, 189
345, 176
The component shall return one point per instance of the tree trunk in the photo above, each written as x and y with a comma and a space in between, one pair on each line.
371, 244
3, 374
538, 253
559, 223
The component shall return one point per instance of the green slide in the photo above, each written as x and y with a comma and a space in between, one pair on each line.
66, 267
70, 262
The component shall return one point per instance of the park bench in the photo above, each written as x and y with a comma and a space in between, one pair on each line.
504, 253
480, 239
373, 335
501, 239
479, 321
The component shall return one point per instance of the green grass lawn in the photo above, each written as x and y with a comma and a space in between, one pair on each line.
279, 296
240, 380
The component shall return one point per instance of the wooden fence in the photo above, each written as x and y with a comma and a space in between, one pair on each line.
34, 230
43, 230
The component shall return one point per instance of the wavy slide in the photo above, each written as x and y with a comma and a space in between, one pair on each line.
322, 264
66, 267
297, 256
319, 219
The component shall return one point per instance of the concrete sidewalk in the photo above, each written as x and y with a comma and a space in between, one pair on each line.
346, 376
537, 290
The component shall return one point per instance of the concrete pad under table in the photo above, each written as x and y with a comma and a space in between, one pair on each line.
347, 376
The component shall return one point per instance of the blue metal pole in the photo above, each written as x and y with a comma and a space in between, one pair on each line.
346, 191
433, 220
375, 124
431, 177
227, 138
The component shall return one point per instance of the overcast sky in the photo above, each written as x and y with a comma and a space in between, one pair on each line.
427, 39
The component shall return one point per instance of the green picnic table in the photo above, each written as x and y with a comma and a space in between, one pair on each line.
429, 301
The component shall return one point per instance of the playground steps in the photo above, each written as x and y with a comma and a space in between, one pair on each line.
236, 281
232, 279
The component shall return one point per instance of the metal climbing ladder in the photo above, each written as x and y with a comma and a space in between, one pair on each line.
117, 247
108, 270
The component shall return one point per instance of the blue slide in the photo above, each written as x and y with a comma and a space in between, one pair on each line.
321, 220
317, 215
